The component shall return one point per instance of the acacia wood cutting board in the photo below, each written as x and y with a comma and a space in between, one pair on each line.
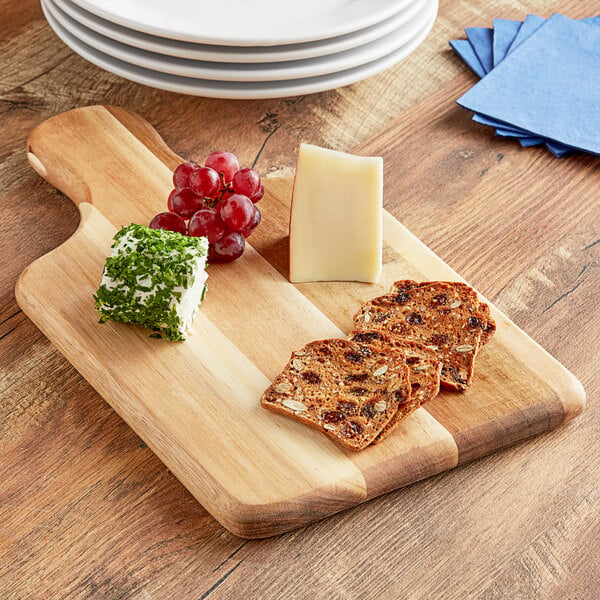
196, 403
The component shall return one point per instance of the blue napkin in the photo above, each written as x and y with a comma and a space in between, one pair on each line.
505, 31
541, 81
529, 26
465, 50
487, 46
481, 40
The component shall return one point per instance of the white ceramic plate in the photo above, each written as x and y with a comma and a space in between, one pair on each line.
238, 54
279, 71
232, 89
245, 22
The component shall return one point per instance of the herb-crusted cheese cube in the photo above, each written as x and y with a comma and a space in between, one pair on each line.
154, 278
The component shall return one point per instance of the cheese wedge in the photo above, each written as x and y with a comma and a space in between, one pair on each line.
336, 217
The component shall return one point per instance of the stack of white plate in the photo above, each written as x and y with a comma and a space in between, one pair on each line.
242, 48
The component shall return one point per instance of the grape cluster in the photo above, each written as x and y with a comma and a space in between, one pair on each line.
218, 200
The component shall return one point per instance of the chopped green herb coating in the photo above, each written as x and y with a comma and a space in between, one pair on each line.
154, 278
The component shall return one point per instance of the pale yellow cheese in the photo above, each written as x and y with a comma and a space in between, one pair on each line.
336, 217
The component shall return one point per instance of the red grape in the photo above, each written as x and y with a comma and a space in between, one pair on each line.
182, 174
237, 212
227, 193
170, 200
205, 182
168, 221
207, 222
253, 223
218, 199
223, 162
185, 202
247, 182
227, 249
261, 192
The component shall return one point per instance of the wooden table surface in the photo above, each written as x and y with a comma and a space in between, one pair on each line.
87, 510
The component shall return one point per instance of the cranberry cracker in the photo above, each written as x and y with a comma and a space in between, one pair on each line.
350, 391
444, 316
467, 293
424, 367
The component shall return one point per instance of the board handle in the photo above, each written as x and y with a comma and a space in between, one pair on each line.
107, 156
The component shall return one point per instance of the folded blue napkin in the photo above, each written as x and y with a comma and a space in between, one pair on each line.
540, 82
482, 42
505, 31
465, 50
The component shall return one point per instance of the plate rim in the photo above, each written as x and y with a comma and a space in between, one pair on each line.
238, 54
368, 16
260, 72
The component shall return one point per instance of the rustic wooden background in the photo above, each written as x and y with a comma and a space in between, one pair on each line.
87, 511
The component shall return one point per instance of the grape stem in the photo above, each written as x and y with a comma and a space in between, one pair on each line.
225, 187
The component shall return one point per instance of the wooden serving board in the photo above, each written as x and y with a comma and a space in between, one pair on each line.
196, 403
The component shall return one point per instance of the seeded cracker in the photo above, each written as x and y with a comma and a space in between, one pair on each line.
444, 316
350, 391
153, 278
481, 317
424, 367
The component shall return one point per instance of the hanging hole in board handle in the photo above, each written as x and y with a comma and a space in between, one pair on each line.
36, 164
